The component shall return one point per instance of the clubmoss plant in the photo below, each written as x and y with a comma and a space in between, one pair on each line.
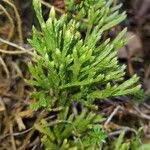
70, 67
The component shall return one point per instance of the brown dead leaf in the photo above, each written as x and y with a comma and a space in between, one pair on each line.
134, 46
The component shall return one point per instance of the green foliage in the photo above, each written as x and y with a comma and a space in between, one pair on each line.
97, 135
68, 67
72, 66
144, 147
84, 128
120, 145
133, 144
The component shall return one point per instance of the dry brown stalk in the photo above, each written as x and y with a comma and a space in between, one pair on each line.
19, 28
4, 67
11, 32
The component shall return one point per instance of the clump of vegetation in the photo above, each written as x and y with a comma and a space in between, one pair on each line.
70, 68
133, 144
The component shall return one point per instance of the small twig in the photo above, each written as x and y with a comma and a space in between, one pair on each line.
142, 115
34, 142
13, 52
115, 133
23, 132
50, 117
147, 106
16, 133
112, 115
4, 136
26, 131
34, 147
124, 129
50, 6
12, 44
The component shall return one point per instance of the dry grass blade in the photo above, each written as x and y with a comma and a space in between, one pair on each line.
124, 129
23, 50
25, 143
141, 114
18, 21
12, 44
112, 115
12, 138
10, 34
13, 52
5, 67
